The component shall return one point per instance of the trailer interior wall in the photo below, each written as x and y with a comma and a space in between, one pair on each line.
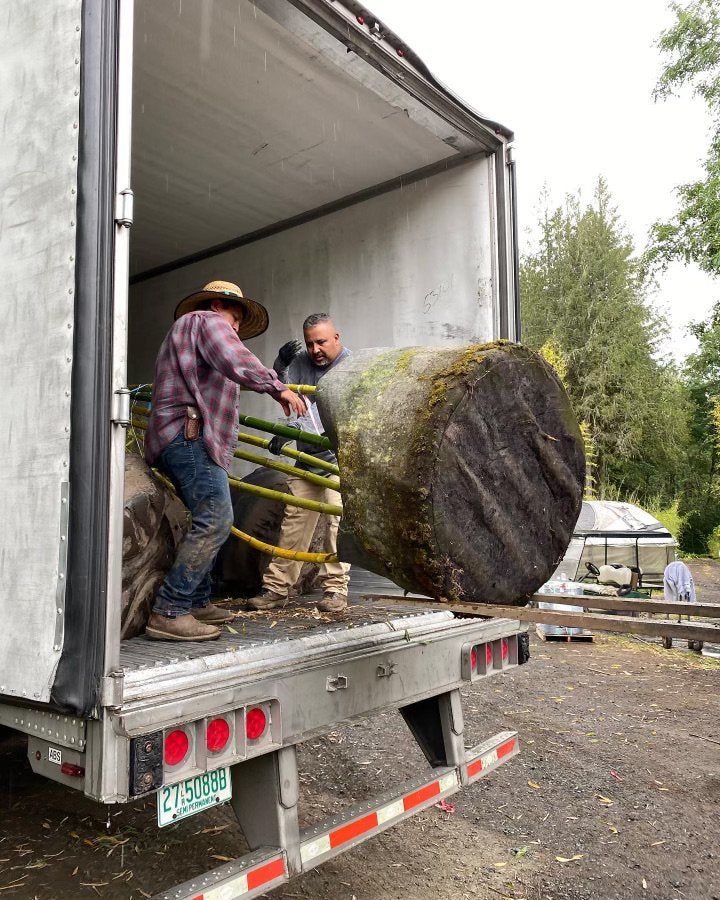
413, 266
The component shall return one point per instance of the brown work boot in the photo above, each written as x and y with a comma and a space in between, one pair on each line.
181, 628
211, 615
267, 600
332, 601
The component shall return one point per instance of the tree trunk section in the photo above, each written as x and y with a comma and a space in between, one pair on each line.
461, 469
240, 568
154, 522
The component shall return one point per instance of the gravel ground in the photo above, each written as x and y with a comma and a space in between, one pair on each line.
615, 795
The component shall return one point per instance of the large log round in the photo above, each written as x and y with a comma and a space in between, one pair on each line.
461, 469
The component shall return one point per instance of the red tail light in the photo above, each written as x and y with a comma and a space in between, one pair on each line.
489, 658
255, 723
218, 735
177, 744
71, 769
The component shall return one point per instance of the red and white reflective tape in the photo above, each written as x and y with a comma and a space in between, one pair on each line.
250, 880
363, 826
272, 869
491, 757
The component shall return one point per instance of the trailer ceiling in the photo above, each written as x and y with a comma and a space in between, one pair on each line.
248, 114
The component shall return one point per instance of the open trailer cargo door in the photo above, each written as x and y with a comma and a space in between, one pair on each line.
39, 117
62, 232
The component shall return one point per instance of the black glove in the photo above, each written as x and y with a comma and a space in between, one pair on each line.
277, 443
523, 648
288, 352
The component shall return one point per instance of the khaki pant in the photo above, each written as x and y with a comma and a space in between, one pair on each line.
297, 530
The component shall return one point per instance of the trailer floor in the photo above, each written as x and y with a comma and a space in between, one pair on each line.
615, 796
249, 629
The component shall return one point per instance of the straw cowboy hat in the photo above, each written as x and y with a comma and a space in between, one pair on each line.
255, 316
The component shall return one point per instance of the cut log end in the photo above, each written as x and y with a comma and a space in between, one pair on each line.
462, 470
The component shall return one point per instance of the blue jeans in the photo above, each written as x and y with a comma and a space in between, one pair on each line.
203, 487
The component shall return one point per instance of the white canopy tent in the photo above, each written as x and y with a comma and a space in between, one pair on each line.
609, 532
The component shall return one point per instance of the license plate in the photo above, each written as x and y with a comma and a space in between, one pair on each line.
178, 801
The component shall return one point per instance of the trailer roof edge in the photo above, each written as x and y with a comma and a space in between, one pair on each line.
383, 48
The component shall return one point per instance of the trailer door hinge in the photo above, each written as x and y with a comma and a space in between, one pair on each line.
112, 690
124, 208
121, 407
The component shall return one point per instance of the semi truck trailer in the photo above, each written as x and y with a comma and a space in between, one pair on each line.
300, 149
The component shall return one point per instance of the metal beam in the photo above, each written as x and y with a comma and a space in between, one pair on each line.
503, 242
67, 731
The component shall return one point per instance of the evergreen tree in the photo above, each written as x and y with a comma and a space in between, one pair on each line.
692, 47
692, 50
583, 290
700, 500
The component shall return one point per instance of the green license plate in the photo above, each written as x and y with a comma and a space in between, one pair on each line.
178, 801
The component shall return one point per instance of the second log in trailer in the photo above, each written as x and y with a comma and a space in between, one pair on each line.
303, 151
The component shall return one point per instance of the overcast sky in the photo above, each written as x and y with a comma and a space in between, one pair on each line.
574, 81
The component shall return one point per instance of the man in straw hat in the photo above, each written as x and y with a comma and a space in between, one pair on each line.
191, 435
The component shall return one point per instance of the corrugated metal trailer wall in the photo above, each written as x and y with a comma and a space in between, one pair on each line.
39, 127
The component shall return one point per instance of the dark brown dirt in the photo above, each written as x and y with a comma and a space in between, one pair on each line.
615, 795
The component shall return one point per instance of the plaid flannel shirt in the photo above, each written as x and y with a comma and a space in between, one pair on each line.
201, 363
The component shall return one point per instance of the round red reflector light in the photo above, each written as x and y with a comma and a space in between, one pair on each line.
218, 735
505, 651
361, 20
255, 723
488, 654
176, 747
473, 658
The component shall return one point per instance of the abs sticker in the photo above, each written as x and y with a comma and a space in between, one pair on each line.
55, 755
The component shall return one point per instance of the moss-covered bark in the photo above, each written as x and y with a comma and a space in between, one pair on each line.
462, 469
